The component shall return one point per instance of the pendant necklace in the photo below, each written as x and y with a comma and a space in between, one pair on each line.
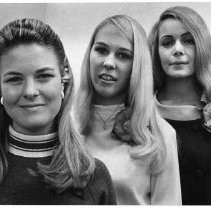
105, 121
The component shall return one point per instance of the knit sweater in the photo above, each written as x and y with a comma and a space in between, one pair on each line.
133, 182
194, 152
22, 186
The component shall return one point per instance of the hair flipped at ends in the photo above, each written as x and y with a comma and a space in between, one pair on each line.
71, 166
150, 145
198, 29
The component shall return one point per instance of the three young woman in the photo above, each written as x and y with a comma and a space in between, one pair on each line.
180, 44
116, 112
43, 159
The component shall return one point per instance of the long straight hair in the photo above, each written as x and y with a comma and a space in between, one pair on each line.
150, 146
71, 165
196, 26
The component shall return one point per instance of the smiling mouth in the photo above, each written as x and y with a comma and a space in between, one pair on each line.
32, 105
107, 77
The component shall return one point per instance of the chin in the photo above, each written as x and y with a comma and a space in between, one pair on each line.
38, 126
108, 95
182, 76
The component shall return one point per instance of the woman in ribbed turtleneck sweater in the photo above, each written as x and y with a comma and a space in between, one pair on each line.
116, 112
43, 159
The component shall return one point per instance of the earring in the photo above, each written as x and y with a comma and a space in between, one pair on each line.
2, 101
62, 94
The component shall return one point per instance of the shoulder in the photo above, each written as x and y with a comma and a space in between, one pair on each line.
101, 173
101, 186
166, 129
168, 134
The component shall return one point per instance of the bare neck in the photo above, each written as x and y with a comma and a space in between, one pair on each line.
180, 91
105, 101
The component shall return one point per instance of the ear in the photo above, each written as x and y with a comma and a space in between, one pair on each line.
67, 75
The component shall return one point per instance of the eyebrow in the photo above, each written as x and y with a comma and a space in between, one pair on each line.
121, 48
101, 43
187, 34
13, 73
45, 69
168, 35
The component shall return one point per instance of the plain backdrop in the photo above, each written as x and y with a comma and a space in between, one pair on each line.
75, 22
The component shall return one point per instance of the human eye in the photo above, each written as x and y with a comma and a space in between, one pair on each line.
102, 50
167, 42
13, 80
124, 55
45, 77
188, 40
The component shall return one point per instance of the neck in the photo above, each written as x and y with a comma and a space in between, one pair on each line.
180, 91
50, 128
105, 101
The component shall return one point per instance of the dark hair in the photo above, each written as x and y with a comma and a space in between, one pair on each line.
71, 165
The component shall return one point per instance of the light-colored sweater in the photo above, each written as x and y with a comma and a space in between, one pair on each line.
132, 180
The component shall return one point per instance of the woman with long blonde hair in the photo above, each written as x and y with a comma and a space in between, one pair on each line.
115, 111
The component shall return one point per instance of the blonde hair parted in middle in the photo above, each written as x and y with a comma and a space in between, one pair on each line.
149, 140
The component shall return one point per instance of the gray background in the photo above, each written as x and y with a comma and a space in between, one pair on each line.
75, 22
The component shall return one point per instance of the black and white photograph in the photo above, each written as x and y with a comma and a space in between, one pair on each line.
105, 103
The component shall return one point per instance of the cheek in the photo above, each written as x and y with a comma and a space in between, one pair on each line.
164, 58
191, 54
53, 92
94, 63
10, 94
162, 55
93, 59
126, 74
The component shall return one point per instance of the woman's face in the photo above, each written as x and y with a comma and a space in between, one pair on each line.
111, 60
31, 88
176, 49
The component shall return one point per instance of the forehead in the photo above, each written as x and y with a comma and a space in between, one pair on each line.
28, 57
112, 35
171, 27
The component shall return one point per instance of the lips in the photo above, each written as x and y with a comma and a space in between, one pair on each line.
107, 77
31, 105
179, 63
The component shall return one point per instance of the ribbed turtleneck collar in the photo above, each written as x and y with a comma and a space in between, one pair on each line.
31, 146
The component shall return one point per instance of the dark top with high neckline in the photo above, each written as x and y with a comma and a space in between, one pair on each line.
194, 144
22, 185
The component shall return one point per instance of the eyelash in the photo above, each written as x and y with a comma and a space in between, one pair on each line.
13, 79
45, 75
120, 55
185, 41
101, 50
124, 56
19, 79
189, 41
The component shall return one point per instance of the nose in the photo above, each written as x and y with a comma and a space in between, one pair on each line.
30, 90
178, 49
109, 62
